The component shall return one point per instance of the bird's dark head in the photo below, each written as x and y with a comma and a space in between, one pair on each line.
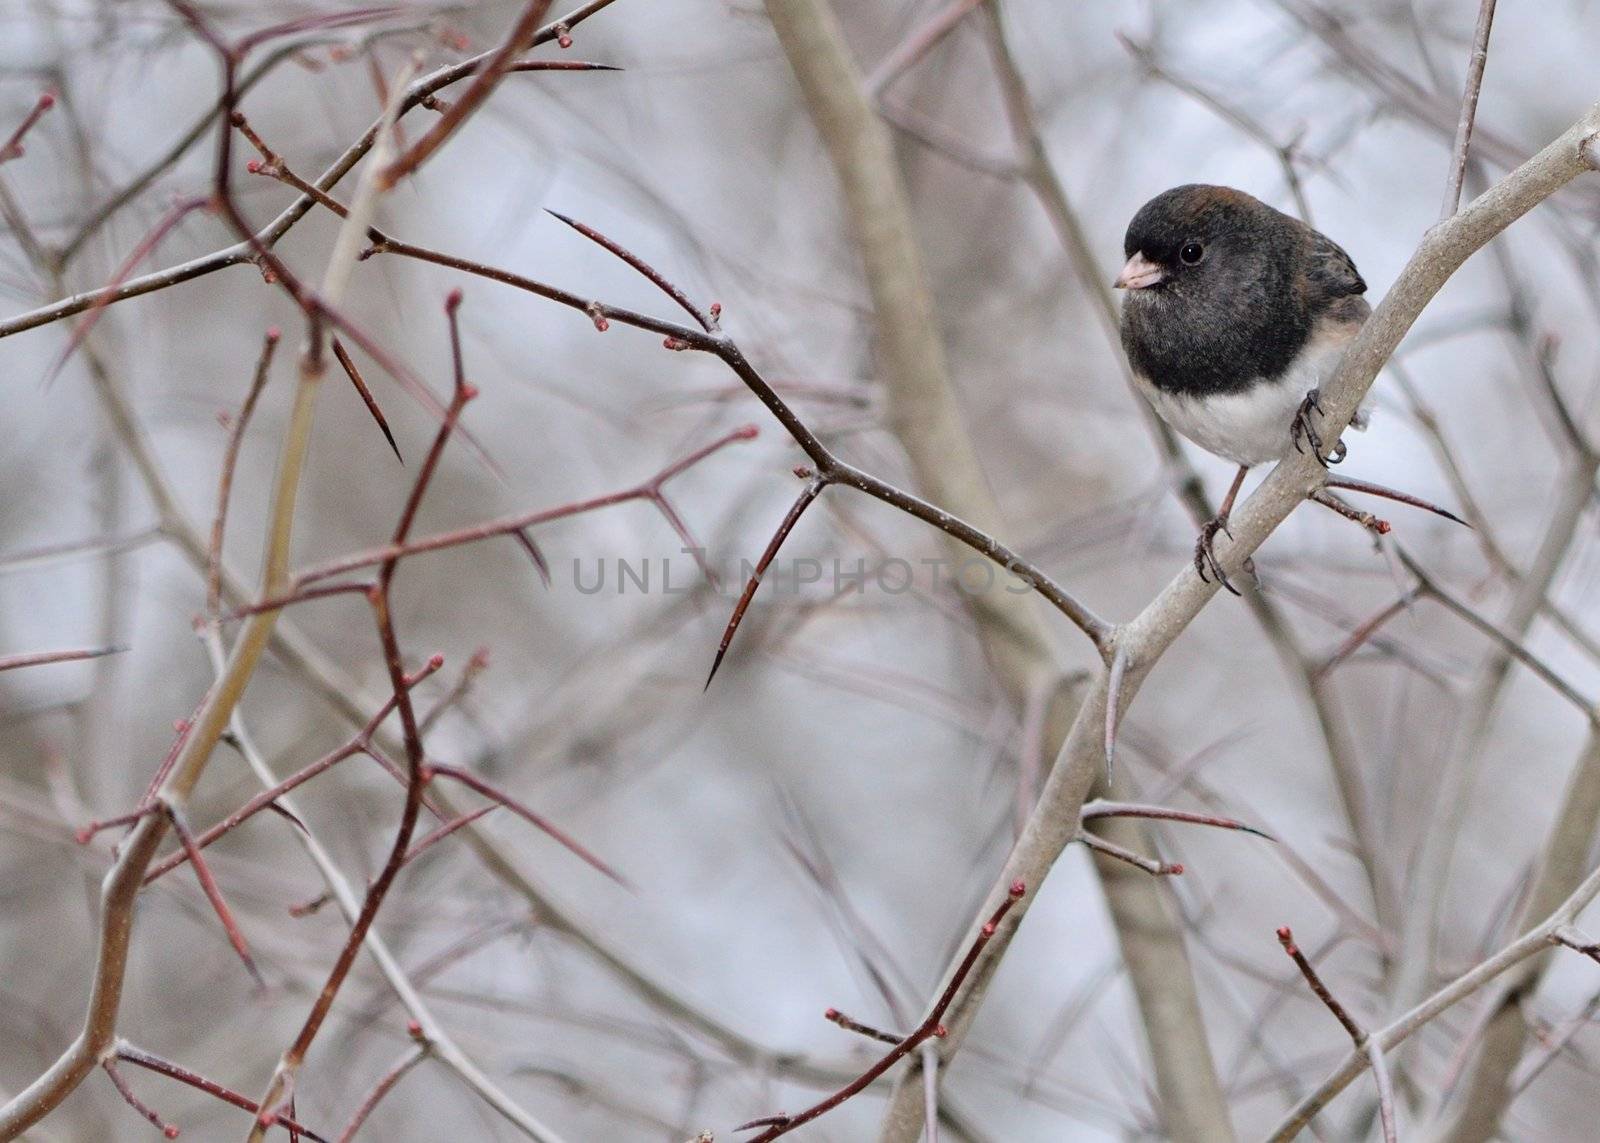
1221, 288
1198, 241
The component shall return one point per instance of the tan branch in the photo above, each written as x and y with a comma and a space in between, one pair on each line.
1054, 823
1536, 940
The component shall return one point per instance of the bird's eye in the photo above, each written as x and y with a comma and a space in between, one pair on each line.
1191, 253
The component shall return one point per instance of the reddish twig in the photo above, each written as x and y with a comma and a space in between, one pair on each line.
476, 665
763, 1121
322, 21
361, 743
1286, 938
213, 892
1577, 942
281, 1089
362, 588
249, 809
342, 355
484, 81
1365, 631
319, 310
835, 1016
1373, 524
384, 1086
109, 1064
151, 1062
86, 832
145, 247
1111, 849
244, 251
647, 490
928, 1029
1371, 1045
706, 321
1372, 489
489, 790
813, 488
441, 832
12, 147
44, 658
182, 728
829, 468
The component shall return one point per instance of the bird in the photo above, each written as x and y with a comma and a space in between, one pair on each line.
1234, 315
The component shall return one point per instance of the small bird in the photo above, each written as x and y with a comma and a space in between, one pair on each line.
1235, 313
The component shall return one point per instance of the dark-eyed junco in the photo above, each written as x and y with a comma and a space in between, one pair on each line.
1234, 314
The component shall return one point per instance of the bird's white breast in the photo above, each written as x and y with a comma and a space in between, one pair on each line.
1252, 426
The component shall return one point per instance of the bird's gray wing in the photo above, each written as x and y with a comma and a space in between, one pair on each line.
1331, 273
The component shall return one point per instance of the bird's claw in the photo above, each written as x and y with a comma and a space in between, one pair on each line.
1304, 426
1205, 558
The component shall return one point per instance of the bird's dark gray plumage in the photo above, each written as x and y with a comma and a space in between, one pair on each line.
1235, 313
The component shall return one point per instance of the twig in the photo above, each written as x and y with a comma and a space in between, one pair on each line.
1099, 808
270, 796
230, 460
1138, 860
1114, 677
1507, 642
871, 1033
1380, 1074
1469, 108
349, 366
489, 790
1307, 970
382, 1088
122, 883
1370, 1045
244, 252
127, 1053
1571, 938
44, 658
1533, 941
12, 147
281, 1088
928, 1029
812, 490
441, 1044
828, 467
916, 45
511, 525
1284, 153
485, 79
208, 883
109, 1064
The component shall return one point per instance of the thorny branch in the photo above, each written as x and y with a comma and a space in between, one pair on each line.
1358, 1035
179, 777
1054, 821
1112, 642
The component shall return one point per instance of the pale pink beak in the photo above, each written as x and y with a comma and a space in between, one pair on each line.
1139, 273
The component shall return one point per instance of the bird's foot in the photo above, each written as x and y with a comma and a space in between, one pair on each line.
1206, 558
1304, 426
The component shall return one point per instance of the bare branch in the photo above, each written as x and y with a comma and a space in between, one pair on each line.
1469, 108
1054, 822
